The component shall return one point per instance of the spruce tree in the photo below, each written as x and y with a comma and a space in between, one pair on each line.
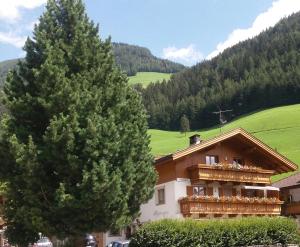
74, 149
184, 124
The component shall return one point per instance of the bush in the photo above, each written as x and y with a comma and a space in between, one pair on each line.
217, 233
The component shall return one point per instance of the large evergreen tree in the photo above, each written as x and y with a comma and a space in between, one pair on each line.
74, 149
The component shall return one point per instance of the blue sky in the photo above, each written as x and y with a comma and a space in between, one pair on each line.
184, 31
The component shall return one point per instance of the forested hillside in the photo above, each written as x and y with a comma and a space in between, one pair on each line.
133, 59
5, 66
130, 58
258, 73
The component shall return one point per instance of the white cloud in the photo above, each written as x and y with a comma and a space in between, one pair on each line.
14, 31
188, 55
12, 39
30, 26
10, 9
278, 10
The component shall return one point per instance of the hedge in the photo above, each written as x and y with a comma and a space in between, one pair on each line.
217, 233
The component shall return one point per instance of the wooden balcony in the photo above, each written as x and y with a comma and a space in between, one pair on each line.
203, 205
230, 173
292, 208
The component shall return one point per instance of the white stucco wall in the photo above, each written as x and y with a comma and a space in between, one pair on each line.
170, 209
151, 211
296, 194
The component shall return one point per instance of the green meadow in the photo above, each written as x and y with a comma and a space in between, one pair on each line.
146, 78
277, 127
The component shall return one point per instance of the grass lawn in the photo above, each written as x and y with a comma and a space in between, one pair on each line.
146, 77
278, 127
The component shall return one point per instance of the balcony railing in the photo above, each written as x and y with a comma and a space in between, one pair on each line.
228, 172
229, 205
292, 208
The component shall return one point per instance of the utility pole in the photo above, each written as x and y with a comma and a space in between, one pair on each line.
221, 117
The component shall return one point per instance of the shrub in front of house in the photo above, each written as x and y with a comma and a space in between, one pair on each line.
217, 233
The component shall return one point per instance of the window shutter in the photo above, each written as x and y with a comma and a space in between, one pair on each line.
210, 191
221, 191
233, 191
189, 190
243, 192
156, 196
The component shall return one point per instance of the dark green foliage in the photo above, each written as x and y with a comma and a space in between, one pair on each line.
74, 149
133, 59
259, 73
184, 124
130, 58
217, 233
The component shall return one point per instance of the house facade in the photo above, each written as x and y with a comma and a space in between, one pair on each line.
290, 194
226, 176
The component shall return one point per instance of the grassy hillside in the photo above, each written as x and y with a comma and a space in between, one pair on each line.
146, 77
278, 127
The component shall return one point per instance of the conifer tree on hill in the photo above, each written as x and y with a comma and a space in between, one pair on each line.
74, 150
184, 124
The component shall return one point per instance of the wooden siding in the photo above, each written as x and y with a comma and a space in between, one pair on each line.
226, 152
243, 139
166, 172
217, 173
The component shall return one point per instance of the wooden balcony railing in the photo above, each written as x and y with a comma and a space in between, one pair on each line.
231, 173
229, 205
292, 208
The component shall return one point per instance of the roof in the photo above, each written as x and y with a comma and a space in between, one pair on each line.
287, 164
290, 181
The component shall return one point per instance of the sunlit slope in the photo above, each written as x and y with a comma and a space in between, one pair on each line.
278, 127
147, 77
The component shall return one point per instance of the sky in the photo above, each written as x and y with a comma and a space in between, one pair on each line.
183, 31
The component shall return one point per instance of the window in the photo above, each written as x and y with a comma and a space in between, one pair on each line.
250, 193
198, 191
238, 162
160, 196
211, 159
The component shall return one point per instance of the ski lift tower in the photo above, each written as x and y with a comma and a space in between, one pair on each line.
222, 119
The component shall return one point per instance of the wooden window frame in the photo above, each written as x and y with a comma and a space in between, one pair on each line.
216, 157
196, 189
158, 201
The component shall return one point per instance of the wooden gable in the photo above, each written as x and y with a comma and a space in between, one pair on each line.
234, 143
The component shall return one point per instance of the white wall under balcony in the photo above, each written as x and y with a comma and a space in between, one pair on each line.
170, 209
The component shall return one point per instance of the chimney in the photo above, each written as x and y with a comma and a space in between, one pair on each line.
195, 139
